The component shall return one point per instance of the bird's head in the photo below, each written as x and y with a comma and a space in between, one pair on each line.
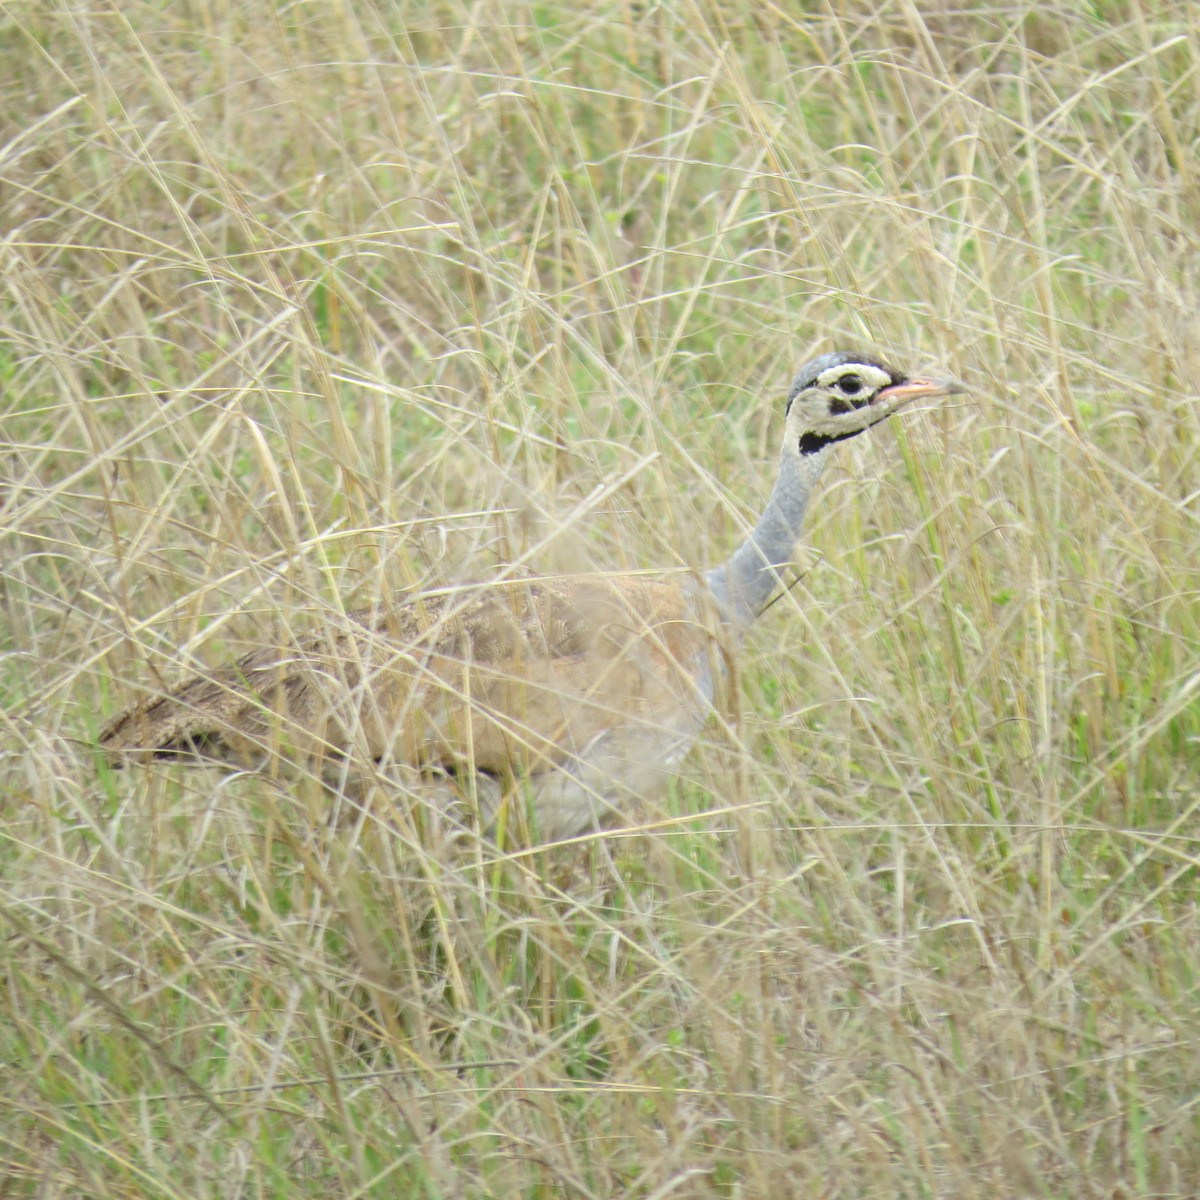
841, 394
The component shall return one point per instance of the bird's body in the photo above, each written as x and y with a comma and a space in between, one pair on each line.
580, 694
589, 690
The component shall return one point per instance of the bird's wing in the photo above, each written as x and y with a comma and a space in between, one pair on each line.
497, 677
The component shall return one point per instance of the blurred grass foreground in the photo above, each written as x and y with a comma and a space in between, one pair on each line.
304, 305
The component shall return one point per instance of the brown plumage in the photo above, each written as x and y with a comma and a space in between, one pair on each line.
571, 684
580, 695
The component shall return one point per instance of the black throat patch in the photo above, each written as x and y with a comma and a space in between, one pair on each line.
810, 443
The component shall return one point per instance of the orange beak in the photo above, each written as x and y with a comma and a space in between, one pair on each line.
923, 386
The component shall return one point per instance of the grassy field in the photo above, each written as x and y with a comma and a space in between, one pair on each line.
304, 305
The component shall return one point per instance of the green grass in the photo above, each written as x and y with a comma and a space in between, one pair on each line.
306, 305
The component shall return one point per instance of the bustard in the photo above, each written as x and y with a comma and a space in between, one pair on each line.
579, 695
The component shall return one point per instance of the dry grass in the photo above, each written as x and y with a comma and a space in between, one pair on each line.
305, 302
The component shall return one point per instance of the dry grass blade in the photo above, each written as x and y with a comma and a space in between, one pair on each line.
306, 309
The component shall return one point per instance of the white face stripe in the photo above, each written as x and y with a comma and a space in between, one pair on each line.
873, 378
823, 412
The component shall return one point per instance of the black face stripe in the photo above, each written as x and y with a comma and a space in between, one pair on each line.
839, 407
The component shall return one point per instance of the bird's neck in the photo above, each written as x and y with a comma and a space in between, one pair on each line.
743, 585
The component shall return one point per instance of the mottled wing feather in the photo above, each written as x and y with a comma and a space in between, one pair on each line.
511, 677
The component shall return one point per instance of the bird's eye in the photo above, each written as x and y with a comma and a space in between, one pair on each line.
851, 385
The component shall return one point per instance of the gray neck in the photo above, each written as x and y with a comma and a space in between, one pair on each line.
743, 585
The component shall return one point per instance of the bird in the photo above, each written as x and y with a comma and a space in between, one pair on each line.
553, 706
